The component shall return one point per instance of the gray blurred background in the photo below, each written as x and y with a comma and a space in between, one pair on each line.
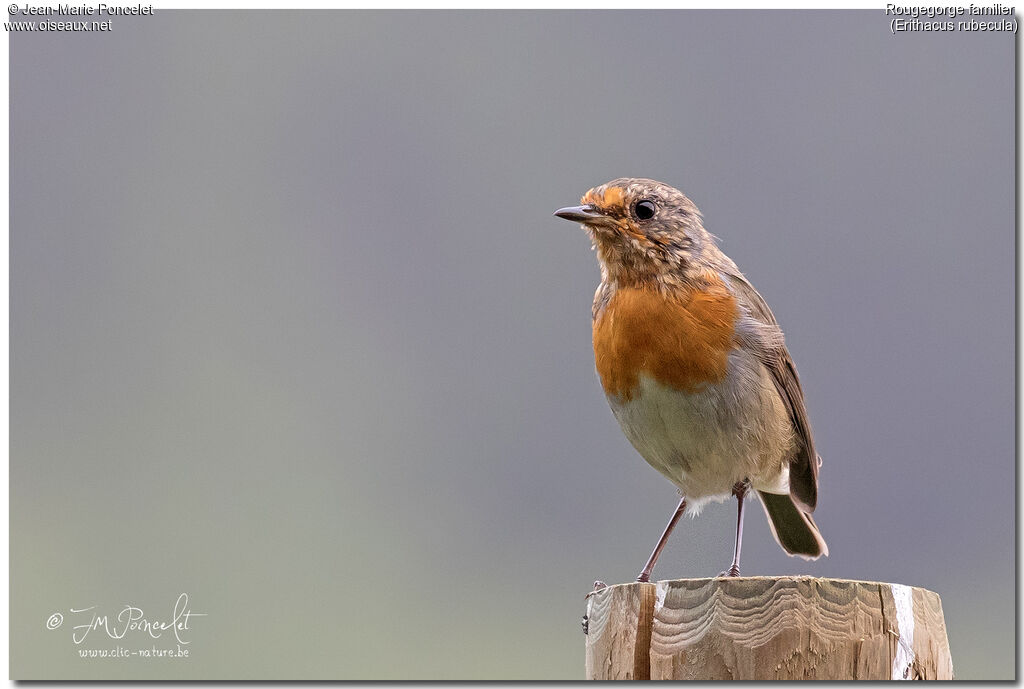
293, 329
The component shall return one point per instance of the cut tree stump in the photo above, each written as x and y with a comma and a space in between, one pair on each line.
760, 628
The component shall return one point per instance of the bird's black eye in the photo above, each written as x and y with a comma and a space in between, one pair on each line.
644, 209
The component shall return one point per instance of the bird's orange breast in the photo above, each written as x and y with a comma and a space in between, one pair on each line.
681, 340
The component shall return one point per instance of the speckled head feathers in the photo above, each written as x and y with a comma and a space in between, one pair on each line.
641, 228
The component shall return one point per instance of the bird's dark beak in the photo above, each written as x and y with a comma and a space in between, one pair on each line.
583, 214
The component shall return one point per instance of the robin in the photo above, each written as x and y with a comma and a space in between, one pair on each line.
695, 367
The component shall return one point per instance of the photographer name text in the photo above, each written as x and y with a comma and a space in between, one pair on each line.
81, 10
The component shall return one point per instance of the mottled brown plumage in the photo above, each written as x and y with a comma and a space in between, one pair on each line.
694, 364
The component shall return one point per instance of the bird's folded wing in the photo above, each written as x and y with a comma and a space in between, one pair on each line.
762, 335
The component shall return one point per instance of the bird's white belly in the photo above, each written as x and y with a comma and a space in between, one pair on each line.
707, 441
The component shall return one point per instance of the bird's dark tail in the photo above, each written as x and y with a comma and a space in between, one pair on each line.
793, 528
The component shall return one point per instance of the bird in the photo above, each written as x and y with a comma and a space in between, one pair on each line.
695, 367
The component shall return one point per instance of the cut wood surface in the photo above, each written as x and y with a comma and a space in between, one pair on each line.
748, 628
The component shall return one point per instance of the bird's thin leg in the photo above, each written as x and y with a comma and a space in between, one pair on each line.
740, 491
645, 573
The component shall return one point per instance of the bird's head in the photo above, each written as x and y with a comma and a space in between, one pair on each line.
641, 229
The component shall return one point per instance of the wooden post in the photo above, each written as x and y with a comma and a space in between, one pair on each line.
760, 628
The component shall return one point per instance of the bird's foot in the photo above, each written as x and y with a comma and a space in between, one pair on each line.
733, 571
